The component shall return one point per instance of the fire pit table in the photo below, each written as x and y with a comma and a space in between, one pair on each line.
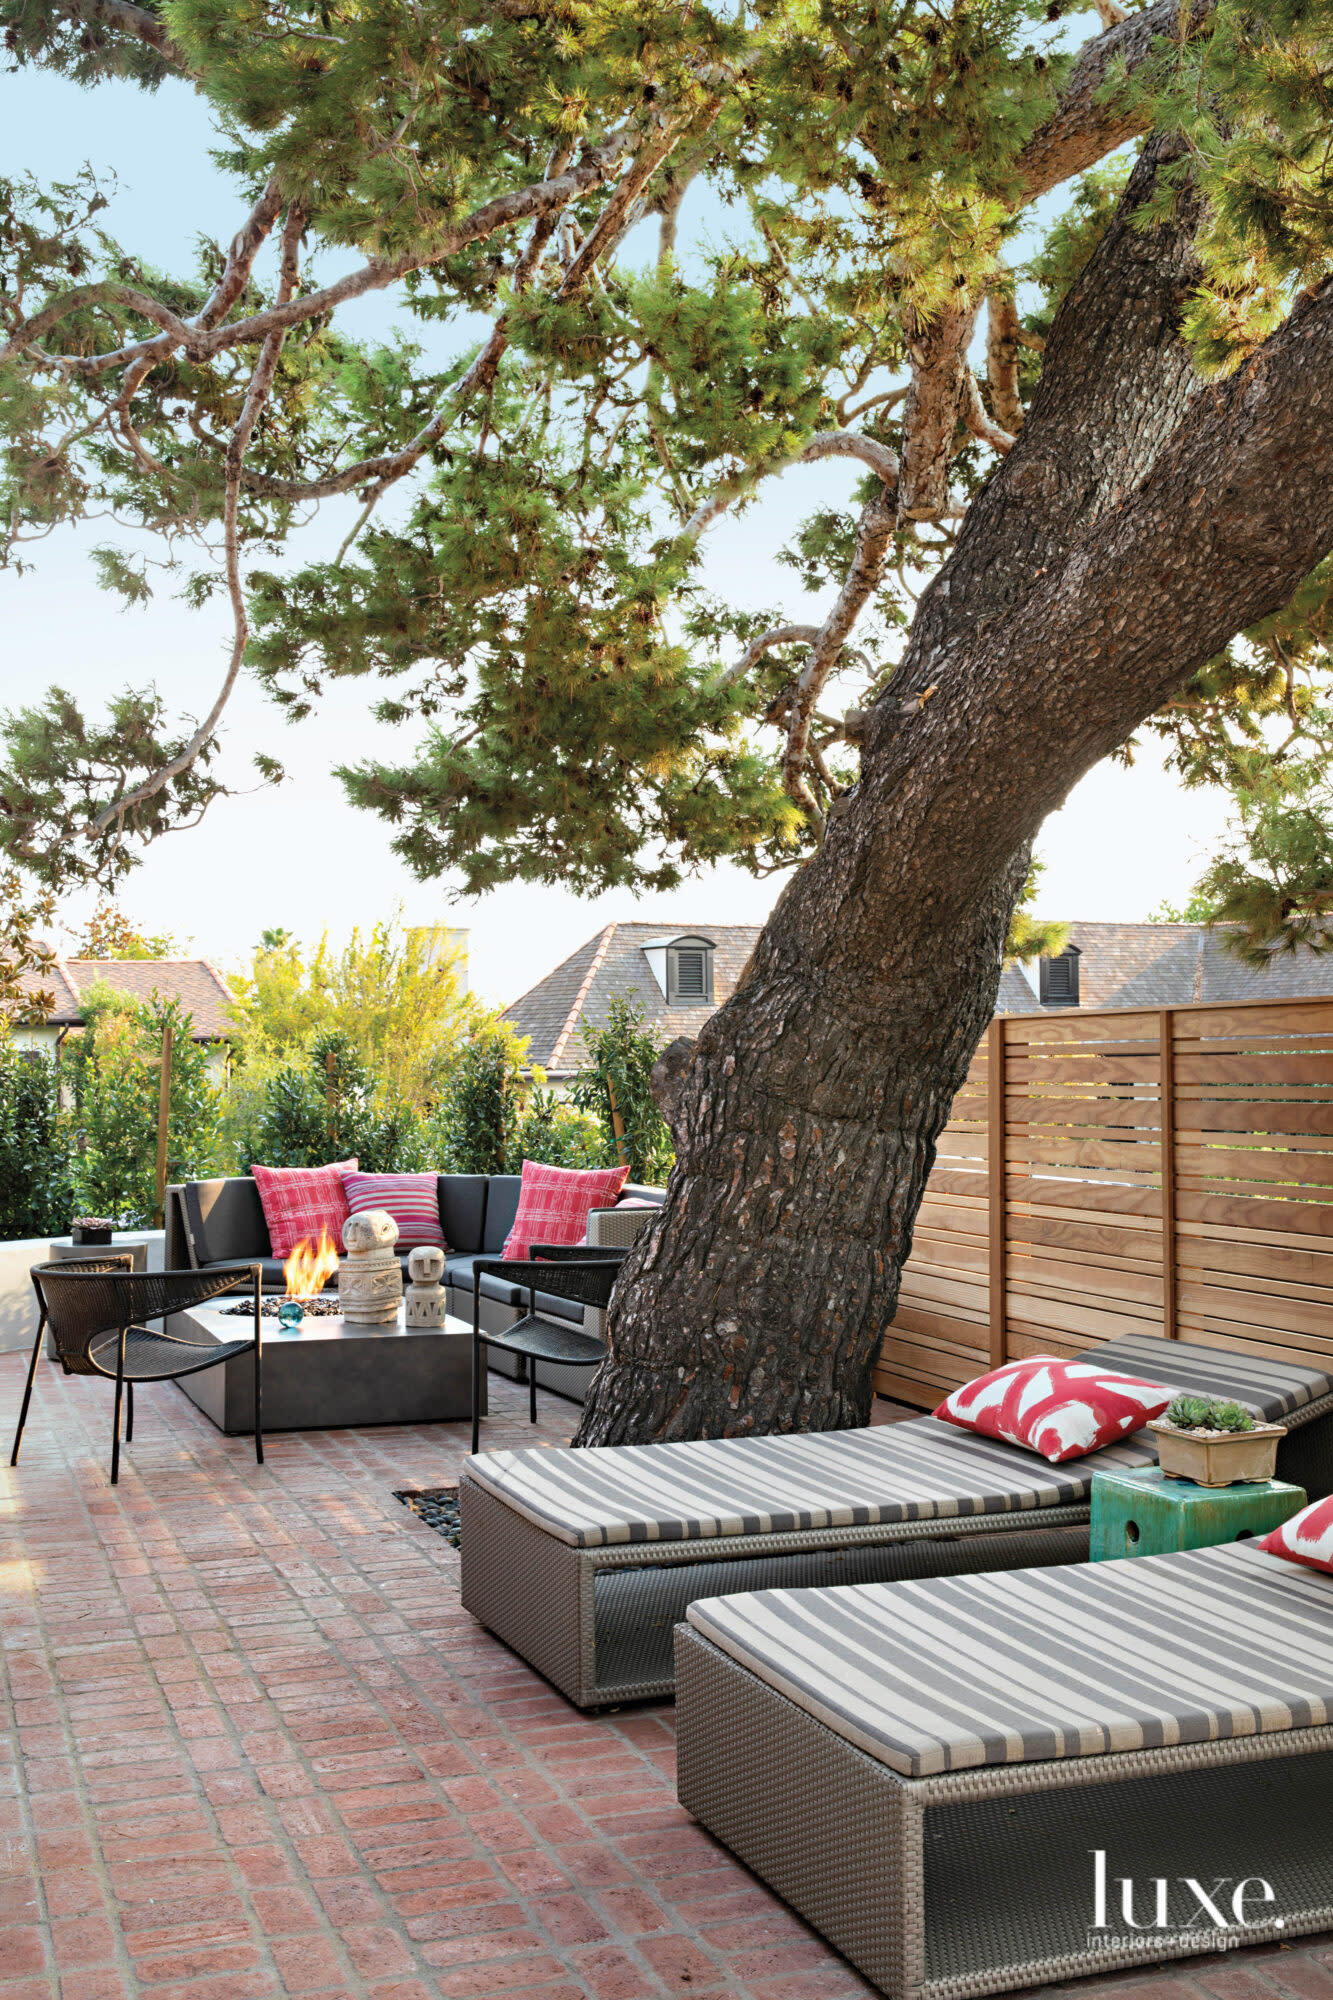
329, 1375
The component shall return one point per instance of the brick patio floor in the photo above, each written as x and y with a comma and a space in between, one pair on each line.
255, 1748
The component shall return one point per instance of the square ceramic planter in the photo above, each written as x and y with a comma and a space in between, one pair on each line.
1218, 1458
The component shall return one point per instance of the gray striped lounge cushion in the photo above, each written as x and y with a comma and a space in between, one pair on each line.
1276, 1390
1029, 1665
915, 1471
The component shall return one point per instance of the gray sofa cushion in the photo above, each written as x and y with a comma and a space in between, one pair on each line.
225, 1219
458, 1273
501, 1208
463, 1210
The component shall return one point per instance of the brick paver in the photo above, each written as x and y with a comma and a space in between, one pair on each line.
255, 1748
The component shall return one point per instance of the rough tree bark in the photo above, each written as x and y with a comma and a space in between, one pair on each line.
1140, 520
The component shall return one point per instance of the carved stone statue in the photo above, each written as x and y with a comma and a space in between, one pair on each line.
425, 1295
370, 1281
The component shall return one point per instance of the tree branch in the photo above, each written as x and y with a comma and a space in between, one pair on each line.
873, 535
392, 466
937, 400
978, 422
1081, 131
825, 444
200, 343
241, 253
608, 223
1002, 344
261, 385
776, 635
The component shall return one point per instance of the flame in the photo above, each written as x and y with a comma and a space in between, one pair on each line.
310, 1266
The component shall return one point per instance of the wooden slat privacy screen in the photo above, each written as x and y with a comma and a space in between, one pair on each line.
1165, 1171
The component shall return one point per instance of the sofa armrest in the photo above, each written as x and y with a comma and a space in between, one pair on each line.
617, 1228
178, 1249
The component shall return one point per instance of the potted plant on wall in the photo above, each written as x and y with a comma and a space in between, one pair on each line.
1215, 1443
86, 1229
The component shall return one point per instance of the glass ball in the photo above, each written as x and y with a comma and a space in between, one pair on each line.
290, 1314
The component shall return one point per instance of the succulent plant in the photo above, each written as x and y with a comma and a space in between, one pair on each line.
1198, 1413
1230, 1417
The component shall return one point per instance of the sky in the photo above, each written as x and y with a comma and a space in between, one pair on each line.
300, 856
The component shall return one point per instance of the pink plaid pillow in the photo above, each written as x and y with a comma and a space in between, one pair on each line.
554, 1203
300, 1201
413, 1200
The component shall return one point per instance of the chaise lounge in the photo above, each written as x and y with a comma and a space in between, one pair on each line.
954, 1780
584, 1561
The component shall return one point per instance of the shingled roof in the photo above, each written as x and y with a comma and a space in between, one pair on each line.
1168, 965
195, 982
1120, 965
612, 964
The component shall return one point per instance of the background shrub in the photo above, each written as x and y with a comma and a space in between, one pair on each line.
113, 1067
36, 1198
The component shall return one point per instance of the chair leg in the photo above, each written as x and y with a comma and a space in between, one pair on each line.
259, 1373
27, 1392
532, 1390
476, 1368
120, 1390
129, 1412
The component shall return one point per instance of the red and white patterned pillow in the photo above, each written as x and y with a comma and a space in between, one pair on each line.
1062, 1409
554, 1203
1306, 1538
413, 1200
300, 1201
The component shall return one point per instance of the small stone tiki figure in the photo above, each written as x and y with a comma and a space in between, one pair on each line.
425, 1294
370, 1279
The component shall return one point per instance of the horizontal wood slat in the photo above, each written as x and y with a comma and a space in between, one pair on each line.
1046, 1223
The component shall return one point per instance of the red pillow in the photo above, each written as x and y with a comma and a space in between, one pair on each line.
1062, 1409
1306, 1538
300, 1201
554, 1203
413, 1200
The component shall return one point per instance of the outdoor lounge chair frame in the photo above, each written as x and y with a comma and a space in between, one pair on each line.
94, 1308
980, 1881
567, 1271
598, 1621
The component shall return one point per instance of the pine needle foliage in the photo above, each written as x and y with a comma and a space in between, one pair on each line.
645, 259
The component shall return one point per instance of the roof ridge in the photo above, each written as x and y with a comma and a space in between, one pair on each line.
571, 1022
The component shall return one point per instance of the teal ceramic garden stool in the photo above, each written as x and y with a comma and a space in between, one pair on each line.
1141, 1513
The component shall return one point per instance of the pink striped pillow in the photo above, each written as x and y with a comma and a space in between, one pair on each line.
413, 1200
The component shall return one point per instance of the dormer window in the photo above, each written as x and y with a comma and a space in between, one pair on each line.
683, 967
1058, 979
690, 972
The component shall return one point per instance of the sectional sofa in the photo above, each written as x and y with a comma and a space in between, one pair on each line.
213, 1223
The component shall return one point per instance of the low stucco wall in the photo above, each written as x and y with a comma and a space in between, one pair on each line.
18, 1301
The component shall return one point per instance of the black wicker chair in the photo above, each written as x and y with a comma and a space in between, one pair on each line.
94, 1311
566, 1271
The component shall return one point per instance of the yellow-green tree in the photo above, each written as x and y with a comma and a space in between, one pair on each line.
403, 1010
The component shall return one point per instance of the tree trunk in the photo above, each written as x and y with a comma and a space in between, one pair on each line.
1141, 519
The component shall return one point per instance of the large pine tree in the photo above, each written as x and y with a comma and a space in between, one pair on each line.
1094, 494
